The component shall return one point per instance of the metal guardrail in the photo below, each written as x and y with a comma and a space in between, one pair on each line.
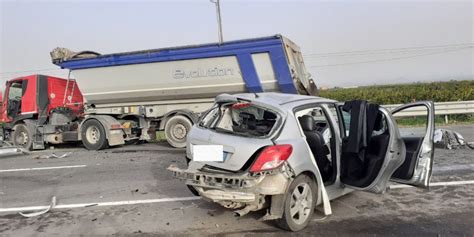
441, 108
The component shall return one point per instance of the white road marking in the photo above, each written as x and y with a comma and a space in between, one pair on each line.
44, 168
92, 204
449, 183
181, 199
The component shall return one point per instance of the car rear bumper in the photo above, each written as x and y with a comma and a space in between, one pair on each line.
236, 190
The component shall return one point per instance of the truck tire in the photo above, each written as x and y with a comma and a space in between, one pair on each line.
93, 135
299, 204
22, 136
176, 130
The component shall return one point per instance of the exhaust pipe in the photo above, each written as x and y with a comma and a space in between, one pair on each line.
244, 211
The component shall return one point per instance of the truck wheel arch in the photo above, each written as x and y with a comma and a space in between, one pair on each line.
187, 113
106, 121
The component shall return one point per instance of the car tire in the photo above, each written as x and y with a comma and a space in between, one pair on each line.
299, 204
22, 136
176, 130
93, 135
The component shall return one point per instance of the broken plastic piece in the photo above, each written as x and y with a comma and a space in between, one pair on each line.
448, 139
326, 203
53, 156
33, 214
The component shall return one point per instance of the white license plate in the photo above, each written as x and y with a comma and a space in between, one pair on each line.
208, 153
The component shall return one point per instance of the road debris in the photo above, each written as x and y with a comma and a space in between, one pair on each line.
7, 149
53, 156
448, 139
33, 214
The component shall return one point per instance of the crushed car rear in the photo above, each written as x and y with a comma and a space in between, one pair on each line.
251, 166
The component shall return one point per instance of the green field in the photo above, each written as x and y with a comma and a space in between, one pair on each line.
406, 93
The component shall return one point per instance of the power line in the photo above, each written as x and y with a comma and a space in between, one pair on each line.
33, 70
389, 59
387, 50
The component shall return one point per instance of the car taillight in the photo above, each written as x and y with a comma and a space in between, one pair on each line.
240, 105
271, 157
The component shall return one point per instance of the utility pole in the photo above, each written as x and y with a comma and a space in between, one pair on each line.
219, 23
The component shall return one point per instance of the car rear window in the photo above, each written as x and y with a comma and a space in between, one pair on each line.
244, 119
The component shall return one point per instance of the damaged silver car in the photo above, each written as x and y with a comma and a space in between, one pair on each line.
290, 153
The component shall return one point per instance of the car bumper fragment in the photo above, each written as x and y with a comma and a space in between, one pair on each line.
244, 189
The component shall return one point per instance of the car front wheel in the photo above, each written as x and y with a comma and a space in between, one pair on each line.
299, 204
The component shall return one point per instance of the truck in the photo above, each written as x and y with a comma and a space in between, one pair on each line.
127, 97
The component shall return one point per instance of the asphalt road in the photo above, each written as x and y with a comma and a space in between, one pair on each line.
136, 195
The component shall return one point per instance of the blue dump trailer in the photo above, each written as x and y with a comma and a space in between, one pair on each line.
168, 88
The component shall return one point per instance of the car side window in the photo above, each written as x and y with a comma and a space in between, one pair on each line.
346, 120
321, 123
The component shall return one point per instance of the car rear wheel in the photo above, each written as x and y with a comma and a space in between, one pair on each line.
22, 136
299, 204
93, 135
176, 130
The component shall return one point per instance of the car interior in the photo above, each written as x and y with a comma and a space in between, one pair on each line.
361, 163
241, 118
320, 139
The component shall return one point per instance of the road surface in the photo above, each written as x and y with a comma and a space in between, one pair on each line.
127, 190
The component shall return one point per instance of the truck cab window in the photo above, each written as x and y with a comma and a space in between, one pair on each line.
14, 99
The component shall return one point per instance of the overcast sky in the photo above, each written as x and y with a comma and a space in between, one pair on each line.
31, 29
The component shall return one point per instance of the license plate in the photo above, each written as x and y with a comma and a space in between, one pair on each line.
208, 153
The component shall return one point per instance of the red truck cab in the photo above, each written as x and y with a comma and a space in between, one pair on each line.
30, 101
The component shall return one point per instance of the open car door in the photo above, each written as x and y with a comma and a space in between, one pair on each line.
417, 166
375, 149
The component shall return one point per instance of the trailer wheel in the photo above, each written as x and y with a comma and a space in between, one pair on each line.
176, 130
22, 136
93, 135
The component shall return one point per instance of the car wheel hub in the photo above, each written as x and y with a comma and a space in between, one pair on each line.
300, 204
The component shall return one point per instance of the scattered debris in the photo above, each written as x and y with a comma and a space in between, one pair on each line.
94, 219
167, 223
53, 156
448, 139
173, 151
7, 149
33, 214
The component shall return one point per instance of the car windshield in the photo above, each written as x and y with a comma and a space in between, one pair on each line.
244, 119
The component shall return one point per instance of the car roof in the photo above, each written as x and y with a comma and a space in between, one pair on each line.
281, 99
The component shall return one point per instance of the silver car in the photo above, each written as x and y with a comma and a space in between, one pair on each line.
289, 153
